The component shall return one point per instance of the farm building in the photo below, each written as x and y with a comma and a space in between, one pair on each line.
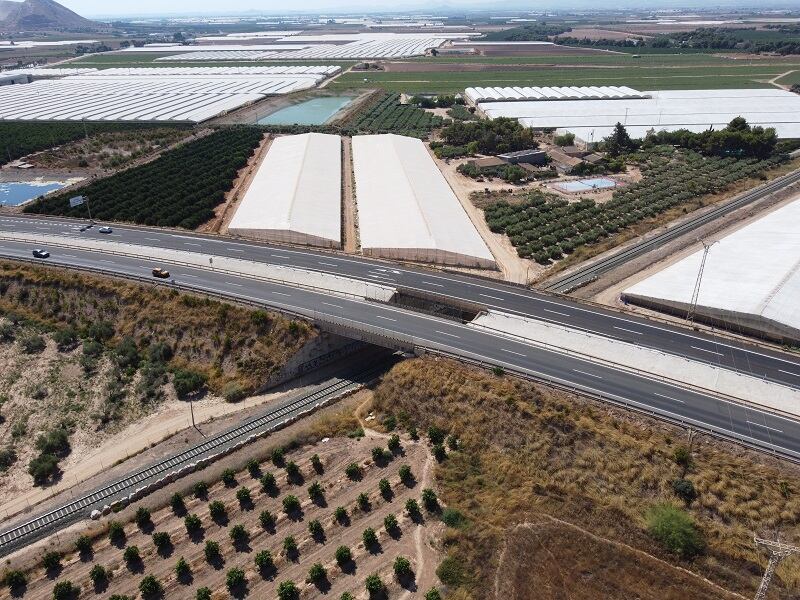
696, 110
750, 283
295, 196
406, 209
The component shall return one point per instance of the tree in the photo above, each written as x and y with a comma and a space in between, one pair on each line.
187, 382
43, 468
436, 435
430, 500
375, 586
406, 476
267, 519
412, 508
292, 471
287, 590
201, 490
83, 545
243, 496
402, 568
150, 587
315, 529
675, 529
316, 493
192, 523
203, 593
340, 514
370, 538
316, 462
162, 541
51, 561
433, 594
291, 504
390, 524
268, 483
239, 535
131, 555
277, 457
235, 580
394, 443
685, 490
177, 503
253, 468
182, 569
385, 488
353, 471
289, 545
98, 575
217, 510
263, 561
363, 502
229, 477
343, 556
211, 551
15, 580
317, 573
619, 142
142, 517
64, 590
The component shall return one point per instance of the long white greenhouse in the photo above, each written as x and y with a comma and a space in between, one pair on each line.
406, 209
295, 196
750, 283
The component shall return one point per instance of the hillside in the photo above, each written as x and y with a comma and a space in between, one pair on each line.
39, 15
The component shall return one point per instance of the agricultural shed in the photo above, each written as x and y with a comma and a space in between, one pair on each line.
406, 209
750, 283
295, 195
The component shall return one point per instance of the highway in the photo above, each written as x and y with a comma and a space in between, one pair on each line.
702, 347
588, 273
40, 525
412, 329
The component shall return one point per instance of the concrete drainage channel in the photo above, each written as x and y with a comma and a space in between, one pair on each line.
153, 477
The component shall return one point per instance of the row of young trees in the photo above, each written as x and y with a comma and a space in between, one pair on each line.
546, 228
495, 136
389, 116
179, 189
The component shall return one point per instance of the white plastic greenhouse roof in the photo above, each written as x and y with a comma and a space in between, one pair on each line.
751, 278
295, 196
406, 208
520, 94
695, 110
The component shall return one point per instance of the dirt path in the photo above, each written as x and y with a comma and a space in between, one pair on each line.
774, 80
349, 211
513, 267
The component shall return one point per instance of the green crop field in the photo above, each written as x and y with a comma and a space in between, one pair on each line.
644, 78
148, 59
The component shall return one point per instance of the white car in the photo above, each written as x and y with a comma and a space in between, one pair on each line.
105, 229
39, 253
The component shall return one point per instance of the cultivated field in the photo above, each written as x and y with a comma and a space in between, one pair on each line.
274, 522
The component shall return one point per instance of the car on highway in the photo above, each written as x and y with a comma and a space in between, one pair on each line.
105, 229
39, 253
160, 273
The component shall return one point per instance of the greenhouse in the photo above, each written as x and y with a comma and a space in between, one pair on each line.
750, 281
295, 195
406, 209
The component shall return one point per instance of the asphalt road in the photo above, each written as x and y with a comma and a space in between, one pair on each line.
698, 346
734, 421
42, 524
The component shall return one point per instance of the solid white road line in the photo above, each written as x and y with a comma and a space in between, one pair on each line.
709, 351
587, 374
433, 284
328, 264
235, 284
668, 397
555, 312
190, 244
387, 318
789, 373
628, 330
234, 249
512, 352
282, 294
764, 426
488, 296
445, 333
280, 256
333, 305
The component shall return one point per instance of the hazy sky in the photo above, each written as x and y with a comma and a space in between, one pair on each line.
91, 8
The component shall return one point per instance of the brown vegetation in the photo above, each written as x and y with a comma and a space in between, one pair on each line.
527, 451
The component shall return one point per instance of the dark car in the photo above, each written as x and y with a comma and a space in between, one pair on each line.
39, 253
160, 273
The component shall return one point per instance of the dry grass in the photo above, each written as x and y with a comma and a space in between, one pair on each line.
529, 451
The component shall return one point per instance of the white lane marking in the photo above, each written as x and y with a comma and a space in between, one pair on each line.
555, 312
282, 294
280, 256
789, 373
328, 264
628, 330
333, 305
709, 351
236, 284
190, 244
668, 398
69, 255
512, 352
111, 262
488, 296
445, 333
115, 235
187, 275
765, 426
234, 249
387, 318
152, 239
587, 374
381, 277
433, 284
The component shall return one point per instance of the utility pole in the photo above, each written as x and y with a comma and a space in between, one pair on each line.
777, 552
696, 291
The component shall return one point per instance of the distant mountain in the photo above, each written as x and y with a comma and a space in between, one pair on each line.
39, 15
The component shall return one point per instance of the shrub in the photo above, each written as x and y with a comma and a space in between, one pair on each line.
268, 482
363, 502
8, 456
402, 567
315, 528
116, 532
182, 569
217, 510
291, 504
683, 457
369, 537
192, 523
161, 540
390, 524
263, 561
54, 442
435, 435
452, 442
292, 471
64, 590
317, 573
394, 443
289, 545
287, 590
347, 596
150, 587
131, 554
433, 594
200, 490
353, 471
451, 571
177, 504
453, 518
229, 477
142, 516
343, 555
267, 519
239, 534
685, 490
6, 332
211, 551
375, 586
439, 453
203, 594
340, 514
412, 508
65, 339
243, 495
187, 382
430, 500
233, 391
315, 492
277, 457
406, 476
316, 462
254, 468
83, 545
51, 561
675, 529
235, 579
385, 488
32, 344
15, 580
43, 468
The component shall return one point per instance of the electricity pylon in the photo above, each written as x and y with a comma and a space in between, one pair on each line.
777, 552
696, 291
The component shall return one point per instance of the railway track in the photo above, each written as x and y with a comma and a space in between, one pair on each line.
271, 420
589, 273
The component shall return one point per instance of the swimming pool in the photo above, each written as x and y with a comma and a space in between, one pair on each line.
14, 193
586, 185
316, 111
